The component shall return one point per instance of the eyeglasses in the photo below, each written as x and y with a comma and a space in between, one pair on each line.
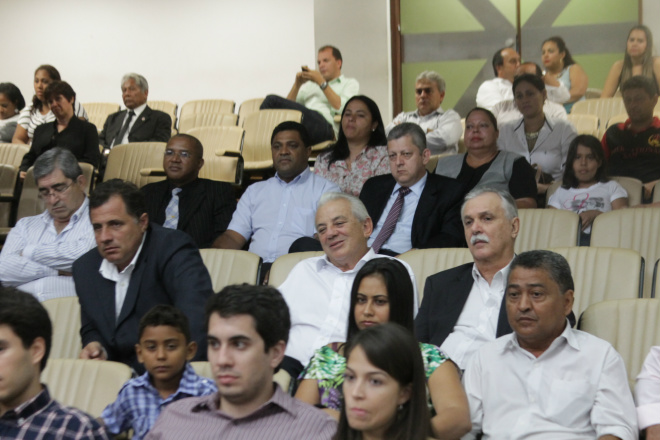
182, 154
55, 190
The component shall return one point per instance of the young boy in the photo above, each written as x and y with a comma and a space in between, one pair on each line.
164, 348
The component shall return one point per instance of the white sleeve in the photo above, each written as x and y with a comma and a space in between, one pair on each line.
444, 139
16, 269
618, 192
473, 390
647, 390
488, 95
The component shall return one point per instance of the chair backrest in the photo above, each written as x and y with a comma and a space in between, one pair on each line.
98, 112
634, 188
203, 368
633, 228
461, 142
584, 123
11, 156
656, 278
283, 265
593, 93
190, 121
258, 131
228, 266
89, 385
656, 192
426, 262
604, 108
207, 106
632, 326
546, 228
248, 106
601, 274
616, 119
167, 107
218, 139
29, 204
139, 162
65, 315
433, 161
224, 169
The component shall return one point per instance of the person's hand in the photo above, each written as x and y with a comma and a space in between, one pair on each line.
313, 75
588, 217
299, 79
22, 175
94, 350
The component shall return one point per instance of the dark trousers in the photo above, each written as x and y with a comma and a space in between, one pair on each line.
318, 128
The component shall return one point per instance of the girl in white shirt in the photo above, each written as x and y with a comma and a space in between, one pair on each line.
585, 188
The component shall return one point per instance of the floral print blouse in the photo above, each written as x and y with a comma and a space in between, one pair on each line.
372, 161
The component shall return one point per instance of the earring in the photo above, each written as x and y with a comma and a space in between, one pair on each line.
401, 407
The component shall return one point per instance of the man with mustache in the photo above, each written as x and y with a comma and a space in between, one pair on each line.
546, 380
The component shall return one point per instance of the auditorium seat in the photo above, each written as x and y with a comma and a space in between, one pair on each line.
247, 107
584, 123
98, 112
632, 326
207, 106
138, 162
283, 265
65, 315
228, 266
222, 152
167, 107
11, 156
546, 228
189, 122
604, 108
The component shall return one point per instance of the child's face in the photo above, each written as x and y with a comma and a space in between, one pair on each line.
163, 351
585, 165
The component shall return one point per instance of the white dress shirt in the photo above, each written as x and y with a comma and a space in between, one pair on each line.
443, 128
400, 241
477, 323
122, 279
318, 295
647, 390
34, 253
577, 389
138, 111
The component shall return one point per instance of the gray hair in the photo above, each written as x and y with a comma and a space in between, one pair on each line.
357, 207
59, 158
430, 75
554, 264
140, 81
508, 203
417, 135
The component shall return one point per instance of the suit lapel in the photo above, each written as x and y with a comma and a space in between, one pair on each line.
503, 327
427, 202
191, 205
381, 198
141, 120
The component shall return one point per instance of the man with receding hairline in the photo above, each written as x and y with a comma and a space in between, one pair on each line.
505, 62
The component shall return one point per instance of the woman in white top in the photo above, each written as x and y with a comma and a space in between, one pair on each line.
11, 103
560, 68
542, 141
585, 188
38, 112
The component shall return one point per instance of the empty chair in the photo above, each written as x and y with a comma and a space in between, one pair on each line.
604, 108
10, 159
258, 131
584, 123
167, 107
632, 326
546, 228
601, 274
139, 162
426, 262
98, 112
89, 385
219, 140
228, 266
283, 265
593, 93
247, 107
191, 121
633, 228
65, 315
207, 106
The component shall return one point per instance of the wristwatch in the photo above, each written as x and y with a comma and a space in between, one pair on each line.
324, 85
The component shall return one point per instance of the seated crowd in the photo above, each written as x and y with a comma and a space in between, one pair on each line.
489, 352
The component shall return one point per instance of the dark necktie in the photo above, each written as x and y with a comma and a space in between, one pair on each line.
390, 221
124, 129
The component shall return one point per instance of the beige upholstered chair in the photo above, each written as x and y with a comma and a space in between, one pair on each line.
258, 131
98, 112
247, 107
203, 368
167, 107
283, 265
656, 278
656, 192
433, 161
584, 123
461, 141
11, 156
65, 316
207, 106
632, 326
593, 93
426, 262
616, 119
602, 274
227, 266
138, 162
222, 152
632, 228
89, 385
188, 122
545, 228
604, 108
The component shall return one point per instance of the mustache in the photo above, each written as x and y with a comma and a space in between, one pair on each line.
479, 237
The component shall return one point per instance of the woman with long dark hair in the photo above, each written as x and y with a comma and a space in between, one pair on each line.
561, 69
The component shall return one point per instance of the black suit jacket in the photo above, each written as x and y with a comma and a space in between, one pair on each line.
169, 270
437, 221
205, 207
150, 126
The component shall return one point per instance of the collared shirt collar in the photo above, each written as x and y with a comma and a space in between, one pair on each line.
521, 124
339, 79
417, 188
437, 111
300, 178
325, 263
502, 273
30, 407
109, 271
187, 384
81, 212
279, 399
138, 110
567, 335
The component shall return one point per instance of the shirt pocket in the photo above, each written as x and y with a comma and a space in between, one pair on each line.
569, 401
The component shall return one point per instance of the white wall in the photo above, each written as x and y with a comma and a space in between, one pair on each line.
186, 49
651, 12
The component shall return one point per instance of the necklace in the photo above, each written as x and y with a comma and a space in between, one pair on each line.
532, 135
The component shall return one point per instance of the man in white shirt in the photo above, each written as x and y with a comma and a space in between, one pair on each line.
647, 395
40, 250
443, 128
505, 63
317, 289
546, 380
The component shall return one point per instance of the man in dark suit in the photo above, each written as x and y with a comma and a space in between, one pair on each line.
138, 123
136, 266
463, 307
411, 208
204, 206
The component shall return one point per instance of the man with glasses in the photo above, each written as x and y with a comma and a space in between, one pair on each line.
411, 208
40, 250
200, 207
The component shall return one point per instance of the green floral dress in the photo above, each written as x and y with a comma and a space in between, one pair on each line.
327, 368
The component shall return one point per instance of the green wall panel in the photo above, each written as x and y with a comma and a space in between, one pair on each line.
435, 16
508, 9
597, 67
580, 12
457, 74
527, 7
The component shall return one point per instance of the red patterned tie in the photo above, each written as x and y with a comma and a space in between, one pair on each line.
390, 221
